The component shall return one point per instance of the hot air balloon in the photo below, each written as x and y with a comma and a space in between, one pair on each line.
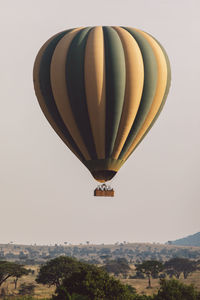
102, 89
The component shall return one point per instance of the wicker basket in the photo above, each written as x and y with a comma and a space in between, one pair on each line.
104, 193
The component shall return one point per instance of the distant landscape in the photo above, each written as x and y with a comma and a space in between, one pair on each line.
188, 247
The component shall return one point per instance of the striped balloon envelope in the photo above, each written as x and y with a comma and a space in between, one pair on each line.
102, 89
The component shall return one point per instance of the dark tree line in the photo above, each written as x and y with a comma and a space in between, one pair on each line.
177, 266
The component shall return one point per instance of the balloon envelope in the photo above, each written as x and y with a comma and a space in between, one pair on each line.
102, 89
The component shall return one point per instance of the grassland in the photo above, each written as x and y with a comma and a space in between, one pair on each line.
45, 292
141, 284
40, 291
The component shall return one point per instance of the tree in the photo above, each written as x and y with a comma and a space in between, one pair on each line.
118, 266
19, 273
11, 269
175, 290
177, 265
53, 272
151, 268
93, 282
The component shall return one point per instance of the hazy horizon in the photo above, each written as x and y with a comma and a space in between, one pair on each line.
46, 193
89, 243
85, 243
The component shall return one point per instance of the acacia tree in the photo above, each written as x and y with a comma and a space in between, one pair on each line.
176, 266
11, 269
151, 268
19, 273
53, 272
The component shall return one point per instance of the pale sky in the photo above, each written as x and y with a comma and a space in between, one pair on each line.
46, 193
